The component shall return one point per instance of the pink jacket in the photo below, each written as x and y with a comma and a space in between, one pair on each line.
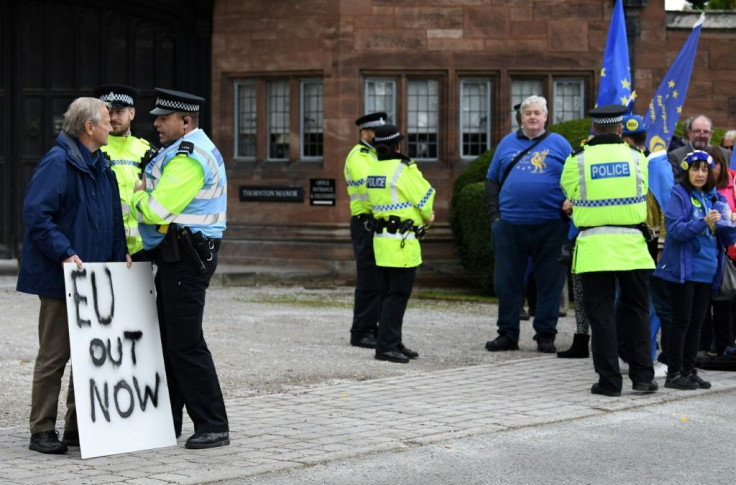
727, 191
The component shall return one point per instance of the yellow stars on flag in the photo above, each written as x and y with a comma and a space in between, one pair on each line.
603, 72
625, 83
671, 84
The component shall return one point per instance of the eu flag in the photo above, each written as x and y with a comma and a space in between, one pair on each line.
615, 84
666, 106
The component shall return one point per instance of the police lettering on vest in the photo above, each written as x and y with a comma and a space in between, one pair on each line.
609, 170
375, 182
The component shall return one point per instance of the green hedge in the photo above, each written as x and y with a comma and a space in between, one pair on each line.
468, 219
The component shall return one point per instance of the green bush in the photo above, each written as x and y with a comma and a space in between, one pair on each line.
472, 234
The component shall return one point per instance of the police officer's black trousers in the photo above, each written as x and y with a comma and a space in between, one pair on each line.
599, 290
367, 292
396, 286
190, 370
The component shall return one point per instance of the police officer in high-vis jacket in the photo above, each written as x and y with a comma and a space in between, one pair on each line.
367, 298
401, 201
181, 216
127, 154
607, 181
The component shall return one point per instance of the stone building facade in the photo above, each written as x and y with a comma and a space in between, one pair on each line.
290, 78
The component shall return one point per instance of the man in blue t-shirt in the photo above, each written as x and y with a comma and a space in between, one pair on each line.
524, 202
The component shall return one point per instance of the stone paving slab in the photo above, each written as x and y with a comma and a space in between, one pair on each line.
308, 426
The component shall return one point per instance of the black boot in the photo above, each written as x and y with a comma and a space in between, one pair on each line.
579, 349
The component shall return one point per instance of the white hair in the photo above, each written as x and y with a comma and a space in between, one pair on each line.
81, 111
534, 99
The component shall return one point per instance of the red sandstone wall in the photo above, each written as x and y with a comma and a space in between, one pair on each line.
342, 40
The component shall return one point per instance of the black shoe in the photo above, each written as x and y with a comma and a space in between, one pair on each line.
597, 389
645, 386
408, 352
523, 315
693, 376
392, 356
368, 342
47, 442
546, 344
70, 438
681, 382
579, 348
502, 342
200, 441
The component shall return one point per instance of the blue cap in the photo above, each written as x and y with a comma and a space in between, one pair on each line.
696, 156
634, 124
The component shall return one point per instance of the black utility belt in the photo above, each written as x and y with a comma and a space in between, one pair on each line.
206, 242
395, 225
199, 248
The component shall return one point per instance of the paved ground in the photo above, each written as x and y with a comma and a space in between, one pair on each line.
299, 395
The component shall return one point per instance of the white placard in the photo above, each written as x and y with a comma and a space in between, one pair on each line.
120, 385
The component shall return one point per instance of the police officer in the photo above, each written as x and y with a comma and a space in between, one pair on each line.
401, 201
126, 154
606, 181
366, 304
181, 216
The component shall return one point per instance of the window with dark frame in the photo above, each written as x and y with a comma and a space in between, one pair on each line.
245, 120
278, 120
271, 101
312, 132
422, 118
475, 117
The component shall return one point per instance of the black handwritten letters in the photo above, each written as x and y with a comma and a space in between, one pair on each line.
110, 350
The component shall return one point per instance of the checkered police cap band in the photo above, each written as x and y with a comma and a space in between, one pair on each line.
387, 138
373, 124
117, 98
611, 120
176, 105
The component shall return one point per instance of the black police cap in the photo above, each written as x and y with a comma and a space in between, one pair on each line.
371, 120
387, 134
609, 114
170, 101
118, 95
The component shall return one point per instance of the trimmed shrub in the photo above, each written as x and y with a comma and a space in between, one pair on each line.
472, 234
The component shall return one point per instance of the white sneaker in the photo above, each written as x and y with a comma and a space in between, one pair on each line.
622, 366
660, 369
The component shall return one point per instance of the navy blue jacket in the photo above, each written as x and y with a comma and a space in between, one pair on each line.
72, 206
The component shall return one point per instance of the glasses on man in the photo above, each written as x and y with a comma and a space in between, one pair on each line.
701, 132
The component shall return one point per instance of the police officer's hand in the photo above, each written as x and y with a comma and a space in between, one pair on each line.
430, 220
711, 217
138, 186
128, 260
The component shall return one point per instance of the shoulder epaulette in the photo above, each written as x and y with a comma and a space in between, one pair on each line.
578, 150
364, 150
185, 147
144, 141
406, 160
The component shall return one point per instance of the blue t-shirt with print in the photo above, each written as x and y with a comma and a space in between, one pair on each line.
531, 193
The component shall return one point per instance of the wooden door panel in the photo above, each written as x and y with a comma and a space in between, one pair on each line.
61, 49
